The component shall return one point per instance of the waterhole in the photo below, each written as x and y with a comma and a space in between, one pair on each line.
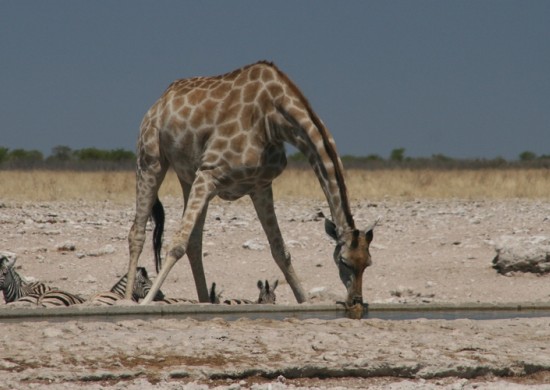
394, 312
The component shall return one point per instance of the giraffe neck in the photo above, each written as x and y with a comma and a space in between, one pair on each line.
313, 139
329, 171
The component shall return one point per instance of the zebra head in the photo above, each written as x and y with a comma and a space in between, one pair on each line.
267, 293
143, 285
7, 261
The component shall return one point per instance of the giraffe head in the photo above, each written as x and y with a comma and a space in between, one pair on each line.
352, 257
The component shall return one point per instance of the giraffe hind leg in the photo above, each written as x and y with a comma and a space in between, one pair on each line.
200, 194
149, 176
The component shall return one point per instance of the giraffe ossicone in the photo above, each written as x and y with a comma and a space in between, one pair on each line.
224, 136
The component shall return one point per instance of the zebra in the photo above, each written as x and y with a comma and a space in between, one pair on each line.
171, 301
56, 297
30, 299
267, 295
13, 286
141, 288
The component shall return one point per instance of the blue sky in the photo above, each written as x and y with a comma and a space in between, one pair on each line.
463, 78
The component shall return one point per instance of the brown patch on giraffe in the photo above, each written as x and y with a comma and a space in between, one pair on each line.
204, 114
275, 90
197, 118
240, 81
219, 144
209, 108
229, 113
227, 130
221, 91
238, 143
185, 112
250, 157
196, 96
250, 115
254, 73
176, 122
211, 159
179, 87
250, 92
267, 74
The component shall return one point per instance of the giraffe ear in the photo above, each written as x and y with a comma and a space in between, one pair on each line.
369, 236
330, 228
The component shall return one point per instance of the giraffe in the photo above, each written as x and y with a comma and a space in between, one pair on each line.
224, 136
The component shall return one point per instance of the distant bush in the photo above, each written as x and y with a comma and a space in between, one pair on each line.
94, 159
63, 157
398, 160
3, 154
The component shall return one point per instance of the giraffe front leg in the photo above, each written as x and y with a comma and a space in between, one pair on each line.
194, 250
201, 192
263, 203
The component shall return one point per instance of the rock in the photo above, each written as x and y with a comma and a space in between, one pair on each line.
67, 246
90, 279
253, 245
106, 250
525, 254
52, 332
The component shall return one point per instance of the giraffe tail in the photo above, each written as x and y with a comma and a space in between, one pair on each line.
158, 219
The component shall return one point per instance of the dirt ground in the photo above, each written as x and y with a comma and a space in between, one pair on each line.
423, 252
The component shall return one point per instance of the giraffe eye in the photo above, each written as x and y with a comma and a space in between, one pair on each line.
345, 264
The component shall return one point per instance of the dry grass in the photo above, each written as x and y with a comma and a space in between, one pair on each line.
372, 185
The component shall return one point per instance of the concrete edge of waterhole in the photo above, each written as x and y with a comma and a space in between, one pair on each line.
390, 311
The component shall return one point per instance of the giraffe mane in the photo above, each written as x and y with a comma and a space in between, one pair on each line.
332, 153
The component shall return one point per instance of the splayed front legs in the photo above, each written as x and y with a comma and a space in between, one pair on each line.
263, 203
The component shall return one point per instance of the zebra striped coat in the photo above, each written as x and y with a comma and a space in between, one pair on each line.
267, 295
141, 288
54, 298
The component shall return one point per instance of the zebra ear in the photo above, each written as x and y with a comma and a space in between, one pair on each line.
275, 284
142, 271
260, 285
7, 259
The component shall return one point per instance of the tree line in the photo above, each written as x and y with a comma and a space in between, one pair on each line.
63, 157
